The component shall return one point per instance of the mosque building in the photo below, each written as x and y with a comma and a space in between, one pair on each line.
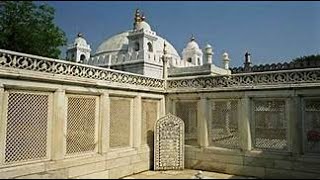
140, 51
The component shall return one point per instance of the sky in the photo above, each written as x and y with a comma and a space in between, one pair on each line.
271, 31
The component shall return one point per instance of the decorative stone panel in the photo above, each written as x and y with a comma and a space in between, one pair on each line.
169, 143
149, 117
223, 123
11, 59
247, 80
81, 124
26, 127
312, 125
187, 111
270, 124
120, 122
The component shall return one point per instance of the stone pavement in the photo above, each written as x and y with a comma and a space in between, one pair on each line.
185, 174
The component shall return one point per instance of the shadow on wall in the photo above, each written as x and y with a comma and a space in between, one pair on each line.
150, 142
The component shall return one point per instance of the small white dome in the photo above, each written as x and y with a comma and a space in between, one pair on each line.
208, 49
143, 25
208, 46
80, 41
192, 45
225, 56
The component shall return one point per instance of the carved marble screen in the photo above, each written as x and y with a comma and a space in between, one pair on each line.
223, 126
187, 111
270, 124
26, 137
169, 143
312, 125
149, 117
120, 121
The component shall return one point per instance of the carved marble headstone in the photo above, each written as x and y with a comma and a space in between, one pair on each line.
169, 143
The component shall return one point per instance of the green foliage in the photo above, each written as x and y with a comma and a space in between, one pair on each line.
307, 58
25, 27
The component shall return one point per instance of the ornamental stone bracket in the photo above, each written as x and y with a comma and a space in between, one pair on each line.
169, 143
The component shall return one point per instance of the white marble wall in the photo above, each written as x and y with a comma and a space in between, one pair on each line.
294, 161
104, 161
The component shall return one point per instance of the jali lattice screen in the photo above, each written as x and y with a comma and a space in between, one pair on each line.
27, 127
81, 124
270, 131
187, 111
149, 117
224, 124
312, 125
120, 120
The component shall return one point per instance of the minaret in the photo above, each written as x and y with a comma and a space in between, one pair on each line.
165, 59
209, 53
225, 60
247, 61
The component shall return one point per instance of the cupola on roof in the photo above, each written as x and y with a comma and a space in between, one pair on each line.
192, 44
80, 41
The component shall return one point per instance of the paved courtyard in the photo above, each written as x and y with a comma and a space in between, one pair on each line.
185, 174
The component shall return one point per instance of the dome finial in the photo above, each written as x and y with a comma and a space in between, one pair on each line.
192, 38
143, 17
79, 34
137, 17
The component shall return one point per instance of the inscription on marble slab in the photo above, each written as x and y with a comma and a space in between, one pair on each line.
169, 143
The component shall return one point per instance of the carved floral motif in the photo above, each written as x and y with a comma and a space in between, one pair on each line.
15, 60
169, 143
248, 80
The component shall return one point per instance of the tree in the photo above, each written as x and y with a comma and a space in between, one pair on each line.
26, 27
313, 57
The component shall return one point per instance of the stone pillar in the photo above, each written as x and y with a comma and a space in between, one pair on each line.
165, 71
104, 132
295, 138
170, 106
2, 121
58, 124
203, 118
163, 107
244, 123
137, 119
165, 59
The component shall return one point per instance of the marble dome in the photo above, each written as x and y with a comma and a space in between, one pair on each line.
120, 42
117, 42
143, 25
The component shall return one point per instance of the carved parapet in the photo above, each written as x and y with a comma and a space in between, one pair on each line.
265, 79
20, 61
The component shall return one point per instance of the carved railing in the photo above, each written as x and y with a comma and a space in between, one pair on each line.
10, 59
15, 60
311, 75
